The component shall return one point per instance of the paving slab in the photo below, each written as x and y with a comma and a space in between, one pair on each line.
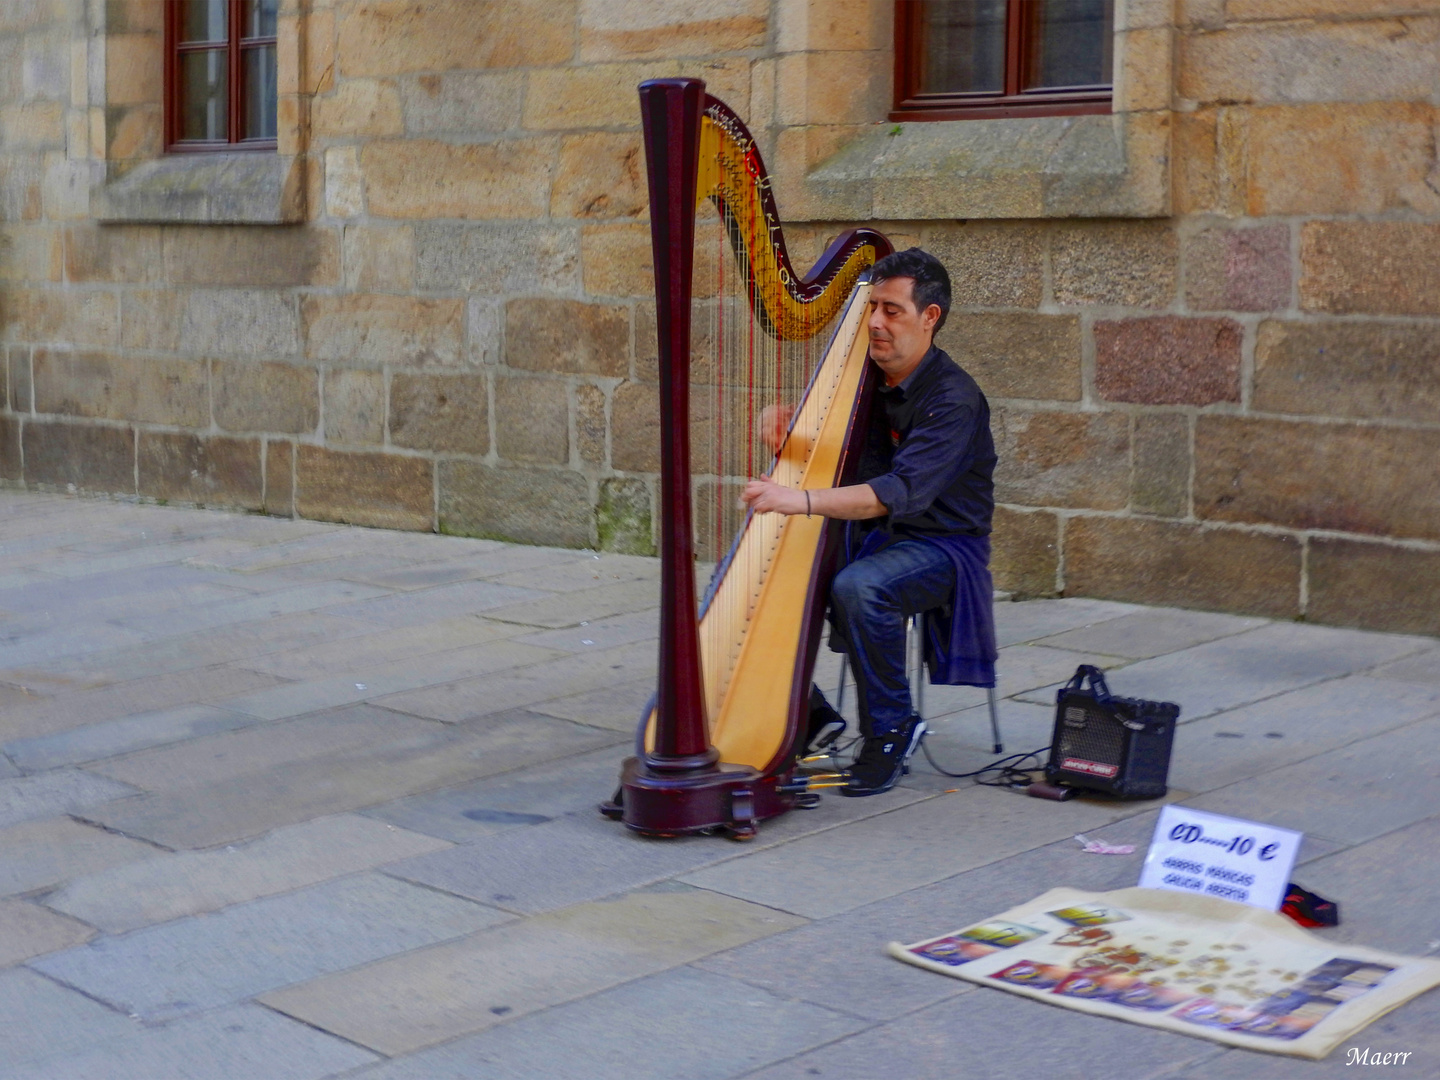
1253, 739
715, 1027
325, 594
616, 708
379, 772
229, 1044
257, 748
1361, 791
994, 1034
65, 712
1152, 632
45, 1019
477, 982
1253, 665
41, 854
600, 634
585, 605
28, 798
583, 574
378, 648
909, 847
123, 736
467, 699
530, 797
21, 650
1031, 620
1423, 667
174, 886
414, 608
28, 930
200, 963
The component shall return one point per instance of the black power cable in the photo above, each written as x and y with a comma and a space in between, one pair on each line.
1008, 770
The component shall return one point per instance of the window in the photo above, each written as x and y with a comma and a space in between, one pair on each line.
963, 59
220, 75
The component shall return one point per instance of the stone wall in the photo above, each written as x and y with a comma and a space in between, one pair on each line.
1226, 399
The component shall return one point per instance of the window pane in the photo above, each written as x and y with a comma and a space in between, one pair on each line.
1073, 46
203, 20
260, 92
204, 94
259, 18
964, 47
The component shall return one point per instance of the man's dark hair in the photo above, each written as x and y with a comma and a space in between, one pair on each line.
932, 283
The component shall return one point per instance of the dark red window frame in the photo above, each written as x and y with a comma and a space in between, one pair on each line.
1021, 29
235, 47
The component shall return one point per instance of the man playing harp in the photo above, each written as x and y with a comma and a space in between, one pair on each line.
922, 509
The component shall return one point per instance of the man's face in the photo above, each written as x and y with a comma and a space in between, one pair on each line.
900, 335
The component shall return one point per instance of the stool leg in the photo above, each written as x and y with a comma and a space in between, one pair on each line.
994, 719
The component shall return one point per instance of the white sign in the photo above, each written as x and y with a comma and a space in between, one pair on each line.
1196, 852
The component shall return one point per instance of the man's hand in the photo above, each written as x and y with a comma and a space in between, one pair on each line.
764, 496
774, 423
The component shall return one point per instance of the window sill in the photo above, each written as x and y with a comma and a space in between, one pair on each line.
1016, 167
205, 189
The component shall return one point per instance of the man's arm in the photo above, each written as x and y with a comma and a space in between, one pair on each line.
853, 503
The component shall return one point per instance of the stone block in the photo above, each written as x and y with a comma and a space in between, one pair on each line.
990, 265
1157, 562
127, 254
1195, 168
462, 101
251, 255
1360, 369
1145, 78
1062, 459
354, 407
279, 478
390, 37
1123, 263
1351, 60
1161, 484
543, 334
594, 96
1374, 268
18, 391
807, 91
402, 330
1024, 552
113, 387
440, 412
618, 260
1168, 360
634, 420
363, 108
1341, 159
532, 420
600, 175
150, 319
209, 471
421, 178
265, 397
41, 854
533, 506
36, 125
379, 258
344, 183
1375, 586
1017, 356
28, 930
159, 890
10, 449
1345, 477
590, 425
64, 317
385, 491
30, 252
1238, 269
498, 258
88, 457
634, 29
623, 517
240, 322
194, 964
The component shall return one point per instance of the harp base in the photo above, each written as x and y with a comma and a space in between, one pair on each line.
726, 798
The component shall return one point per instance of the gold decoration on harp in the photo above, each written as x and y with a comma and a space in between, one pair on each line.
733, 177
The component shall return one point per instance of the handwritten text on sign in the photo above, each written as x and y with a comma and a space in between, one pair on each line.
1196, 852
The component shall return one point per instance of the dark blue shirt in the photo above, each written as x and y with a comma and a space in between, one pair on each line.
929, 456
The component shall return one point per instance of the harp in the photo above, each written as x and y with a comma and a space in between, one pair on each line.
716, 748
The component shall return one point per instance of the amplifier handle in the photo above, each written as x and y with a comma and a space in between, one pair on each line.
1098, 686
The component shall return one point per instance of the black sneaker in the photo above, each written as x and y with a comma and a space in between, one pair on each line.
826, 725
882, 760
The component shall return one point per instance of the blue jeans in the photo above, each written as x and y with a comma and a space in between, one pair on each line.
870, 601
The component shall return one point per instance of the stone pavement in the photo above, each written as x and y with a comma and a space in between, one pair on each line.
285, 800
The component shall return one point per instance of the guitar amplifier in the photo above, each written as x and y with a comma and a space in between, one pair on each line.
1119, 746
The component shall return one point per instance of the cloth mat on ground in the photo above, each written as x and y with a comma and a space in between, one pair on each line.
1194, 964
